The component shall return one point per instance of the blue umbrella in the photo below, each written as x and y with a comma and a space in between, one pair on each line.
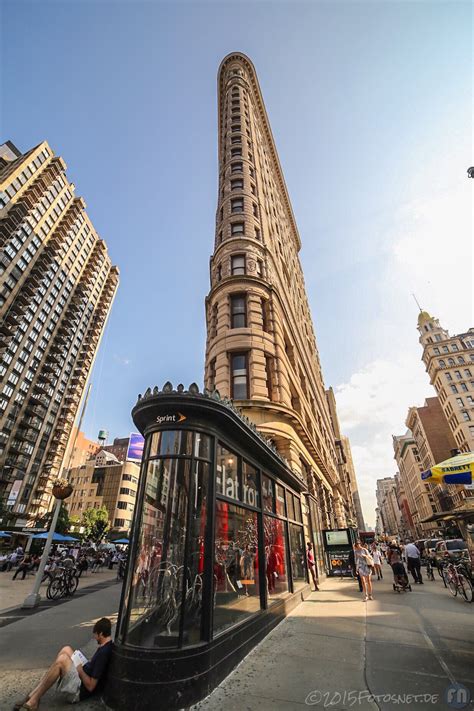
4, 534
121, 540
43, 536
68, 538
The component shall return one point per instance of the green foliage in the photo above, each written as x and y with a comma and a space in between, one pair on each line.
95, 523
63, 523
6, 515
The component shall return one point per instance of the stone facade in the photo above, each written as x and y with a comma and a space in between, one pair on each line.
419, 494
261, 349
435, 443
104, 481
389, 516
449, 362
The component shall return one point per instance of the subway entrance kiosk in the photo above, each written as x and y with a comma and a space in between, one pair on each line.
217, 551
338, 543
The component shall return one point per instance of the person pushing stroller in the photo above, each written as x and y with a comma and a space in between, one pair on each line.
400, 576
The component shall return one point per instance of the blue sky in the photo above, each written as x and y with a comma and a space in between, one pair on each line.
370, 104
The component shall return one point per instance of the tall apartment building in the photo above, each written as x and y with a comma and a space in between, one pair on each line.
435, 443
419, 494
57, 285
449, 362
261, 348
104, 481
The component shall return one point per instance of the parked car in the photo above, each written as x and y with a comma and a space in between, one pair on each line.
450, 551
427, 546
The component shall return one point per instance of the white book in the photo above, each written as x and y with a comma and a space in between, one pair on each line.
78, 658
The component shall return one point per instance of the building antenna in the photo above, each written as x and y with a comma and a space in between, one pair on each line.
417, 302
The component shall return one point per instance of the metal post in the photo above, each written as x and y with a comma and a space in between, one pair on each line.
32, 600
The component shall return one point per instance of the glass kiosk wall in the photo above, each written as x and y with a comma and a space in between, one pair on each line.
217, 554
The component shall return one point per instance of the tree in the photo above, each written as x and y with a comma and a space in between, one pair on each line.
95, 523
62, 524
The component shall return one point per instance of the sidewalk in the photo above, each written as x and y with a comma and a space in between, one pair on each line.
336, 652
332, 652
317, 652
13, 592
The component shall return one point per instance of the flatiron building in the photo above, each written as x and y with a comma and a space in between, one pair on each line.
57, 285
261, 348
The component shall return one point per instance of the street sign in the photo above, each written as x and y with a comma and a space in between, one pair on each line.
34, 530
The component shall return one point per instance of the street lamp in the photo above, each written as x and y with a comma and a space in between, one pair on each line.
32, 600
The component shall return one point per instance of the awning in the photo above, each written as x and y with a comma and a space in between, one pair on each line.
456, 470
460, 514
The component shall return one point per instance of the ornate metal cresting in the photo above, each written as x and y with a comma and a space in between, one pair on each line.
193, 389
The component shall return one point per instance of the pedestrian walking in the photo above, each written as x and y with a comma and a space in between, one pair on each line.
24, 567
312, 565
352, 565
413, 558
377, 558
364, 564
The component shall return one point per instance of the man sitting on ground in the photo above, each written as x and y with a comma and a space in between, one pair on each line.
75, 682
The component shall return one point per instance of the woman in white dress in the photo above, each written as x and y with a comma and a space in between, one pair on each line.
377, 558
364, 568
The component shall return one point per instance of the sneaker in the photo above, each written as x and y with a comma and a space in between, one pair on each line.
365, 599
370, 597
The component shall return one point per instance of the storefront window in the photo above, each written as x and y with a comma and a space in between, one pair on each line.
297, 503
227, 480
297, 556
157, 580
317, 537
280, 500
202, 445
290, 505
169, 442
275, 557
250, 485
236, 581
268, 494
195, 571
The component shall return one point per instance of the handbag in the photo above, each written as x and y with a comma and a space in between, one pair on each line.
369, 560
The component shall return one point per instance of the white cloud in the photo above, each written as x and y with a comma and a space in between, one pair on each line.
121, 360
372, 407
432, 254
429, 252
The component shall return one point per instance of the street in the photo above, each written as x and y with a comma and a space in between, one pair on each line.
334, 651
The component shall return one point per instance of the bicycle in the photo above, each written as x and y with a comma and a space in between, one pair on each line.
457, 580
429, 569
63, 584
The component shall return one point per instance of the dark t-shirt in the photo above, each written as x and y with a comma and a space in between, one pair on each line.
97, 668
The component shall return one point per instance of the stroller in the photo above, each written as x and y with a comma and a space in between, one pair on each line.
400, 577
